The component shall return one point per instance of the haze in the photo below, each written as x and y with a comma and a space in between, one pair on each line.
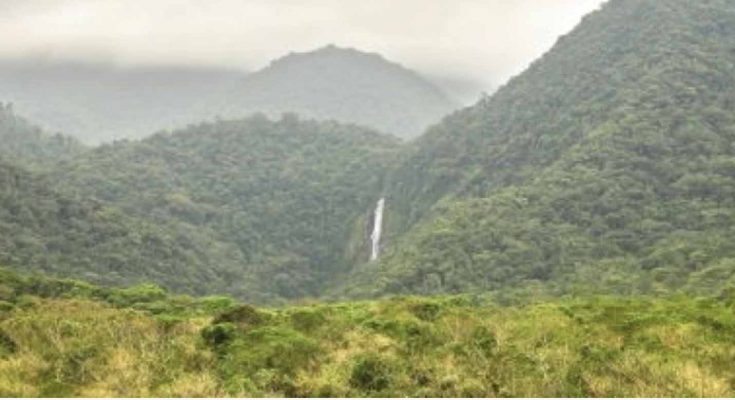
484, 41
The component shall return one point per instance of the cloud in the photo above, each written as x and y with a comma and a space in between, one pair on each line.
487, 40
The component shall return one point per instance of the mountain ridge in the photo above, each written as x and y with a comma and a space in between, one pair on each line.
344, 84
606, 166
289, 195
493, 197
100, 102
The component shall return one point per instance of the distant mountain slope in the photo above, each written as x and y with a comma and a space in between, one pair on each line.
346, 85
43, 230
607, 165
289, 194
26, 144
98, 103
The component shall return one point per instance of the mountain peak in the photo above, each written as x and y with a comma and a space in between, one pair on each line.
610, 149
331, 52
343, 84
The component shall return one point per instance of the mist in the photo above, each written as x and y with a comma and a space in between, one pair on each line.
482, 41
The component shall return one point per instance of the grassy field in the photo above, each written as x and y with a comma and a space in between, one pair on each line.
66, 338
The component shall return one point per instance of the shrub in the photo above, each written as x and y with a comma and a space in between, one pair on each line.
7, 293
217, 303
426, 311
6, 306
471, 388
143, 293
242, 314
280, 350
484, 340
371, 372
308, 320
417, 335
7, 344
218, 334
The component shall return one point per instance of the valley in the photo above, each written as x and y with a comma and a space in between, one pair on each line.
335, 225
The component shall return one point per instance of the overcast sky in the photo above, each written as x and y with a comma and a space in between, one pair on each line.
484, 40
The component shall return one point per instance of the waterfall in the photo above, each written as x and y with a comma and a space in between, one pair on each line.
377, 230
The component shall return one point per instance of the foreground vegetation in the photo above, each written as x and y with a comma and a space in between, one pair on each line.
66, 338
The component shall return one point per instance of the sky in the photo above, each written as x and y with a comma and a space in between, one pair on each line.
485, 41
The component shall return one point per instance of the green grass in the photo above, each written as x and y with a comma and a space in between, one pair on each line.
65, 338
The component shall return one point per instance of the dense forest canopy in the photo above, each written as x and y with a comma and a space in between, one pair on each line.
606, 166
569, 236
26, 144
46, 231
260, 209
287, 194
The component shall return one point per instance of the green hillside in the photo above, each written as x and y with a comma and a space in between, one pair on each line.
342, 84
70, 339
606, 166
43, 230
290, 195
25, 143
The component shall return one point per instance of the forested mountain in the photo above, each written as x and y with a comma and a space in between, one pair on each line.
100, 102
43, 230
28, 145
572, 234
607, 166
290, 195
345, 85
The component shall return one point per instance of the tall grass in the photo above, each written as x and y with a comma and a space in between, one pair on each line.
71, 343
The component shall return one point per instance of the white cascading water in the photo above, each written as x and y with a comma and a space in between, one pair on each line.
377, 230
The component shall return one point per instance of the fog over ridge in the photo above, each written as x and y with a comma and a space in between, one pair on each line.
482, 40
